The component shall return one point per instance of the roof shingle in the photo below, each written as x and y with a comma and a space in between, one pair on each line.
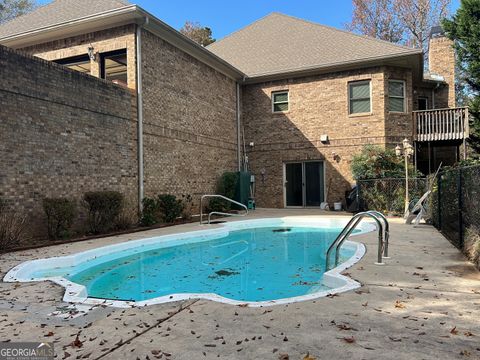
58, 12
280, 43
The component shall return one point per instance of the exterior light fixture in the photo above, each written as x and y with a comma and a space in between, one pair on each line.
406, 151
398, 151
91, 53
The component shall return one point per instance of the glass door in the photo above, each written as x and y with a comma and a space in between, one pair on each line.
304, 184
294, 184
314, 194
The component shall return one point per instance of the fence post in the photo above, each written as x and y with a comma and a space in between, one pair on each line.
460, 207
439, 201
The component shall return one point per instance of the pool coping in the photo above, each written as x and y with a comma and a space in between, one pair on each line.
76, 293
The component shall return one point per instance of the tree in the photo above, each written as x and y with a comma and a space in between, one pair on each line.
375, 18
406, 22
10, 9
464, 29
418, 17
198, 33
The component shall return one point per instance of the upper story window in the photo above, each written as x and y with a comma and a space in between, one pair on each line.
422, 103
359, 97
396, 96
280, 101
114, 66
79, 63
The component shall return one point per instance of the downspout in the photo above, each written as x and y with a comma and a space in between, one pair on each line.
138, 41
239, 139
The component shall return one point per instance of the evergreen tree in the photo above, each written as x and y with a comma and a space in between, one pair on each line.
464, 29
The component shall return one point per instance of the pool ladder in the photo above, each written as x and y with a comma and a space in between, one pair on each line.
218, 212
383, 236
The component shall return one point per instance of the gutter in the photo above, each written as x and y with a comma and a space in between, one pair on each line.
239, 140
332, 67
138, 46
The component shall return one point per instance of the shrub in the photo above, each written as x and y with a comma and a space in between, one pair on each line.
128, 217
60, 214
150, 214
13, 228
170, 207
226, 186
104, 208
187, 207
375, 162
472, 245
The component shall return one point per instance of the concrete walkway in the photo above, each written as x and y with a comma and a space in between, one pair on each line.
424, 304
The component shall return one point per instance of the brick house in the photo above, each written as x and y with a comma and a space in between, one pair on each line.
299, 97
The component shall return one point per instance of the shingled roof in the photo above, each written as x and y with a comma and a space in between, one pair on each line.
278, 44
58, 12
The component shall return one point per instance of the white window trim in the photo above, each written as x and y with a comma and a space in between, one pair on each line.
280, 102
398, 97
367, 81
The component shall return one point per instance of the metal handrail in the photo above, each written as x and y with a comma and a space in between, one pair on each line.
386, 231
348, 229
218, 212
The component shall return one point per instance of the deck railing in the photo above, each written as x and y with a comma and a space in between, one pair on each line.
441, 124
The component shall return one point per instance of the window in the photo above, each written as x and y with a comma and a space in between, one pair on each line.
280, 101
422, 103
359, 97
79, 63
114, 66
396, 95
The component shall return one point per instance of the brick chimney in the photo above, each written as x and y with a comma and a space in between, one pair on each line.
441, 61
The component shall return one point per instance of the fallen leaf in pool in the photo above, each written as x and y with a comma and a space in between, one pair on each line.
226, 273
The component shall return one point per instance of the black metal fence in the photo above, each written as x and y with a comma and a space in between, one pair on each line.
455, 205
388, 195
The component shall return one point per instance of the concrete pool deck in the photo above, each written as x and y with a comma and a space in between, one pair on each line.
424, 304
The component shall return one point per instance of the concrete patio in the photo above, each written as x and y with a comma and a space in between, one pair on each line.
424, 304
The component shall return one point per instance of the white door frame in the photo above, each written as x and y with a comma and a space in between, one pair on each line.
303, 183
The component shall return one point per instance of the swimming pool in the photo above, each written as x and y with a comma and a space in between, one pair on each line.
256, 262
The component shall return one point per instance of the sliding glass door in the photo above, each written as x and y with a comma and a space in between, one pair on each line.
304, 184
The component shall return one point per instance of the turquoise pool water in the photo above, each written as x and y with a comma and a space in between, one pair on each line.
258, 264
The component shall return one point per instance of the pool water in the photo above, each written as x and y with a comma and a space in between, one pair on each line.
256, 264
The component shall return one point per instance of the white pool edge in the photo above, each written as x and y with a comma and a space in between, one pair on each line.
76, 293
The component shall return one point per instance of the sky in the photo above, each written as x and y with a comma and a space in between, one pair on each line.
225, 17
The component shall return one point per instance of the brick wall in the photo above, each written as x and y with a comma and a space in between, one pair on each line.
189, 121
441, 59
399, 126
62, 133
102, 41
318, 105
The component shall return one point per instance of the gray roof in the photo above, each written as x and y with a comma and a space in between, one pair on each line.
58, 12
278, 44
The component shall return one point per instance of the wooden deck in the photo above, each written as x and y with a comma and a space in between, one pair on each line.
441, 124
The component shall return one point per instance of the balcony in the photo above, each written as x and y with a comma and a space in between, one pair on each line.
441, 124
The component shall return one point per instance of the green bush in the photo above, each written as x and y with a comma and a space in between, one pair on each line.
226, 186
150, 214
375, 162
170, 207
104, 208
60, 213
